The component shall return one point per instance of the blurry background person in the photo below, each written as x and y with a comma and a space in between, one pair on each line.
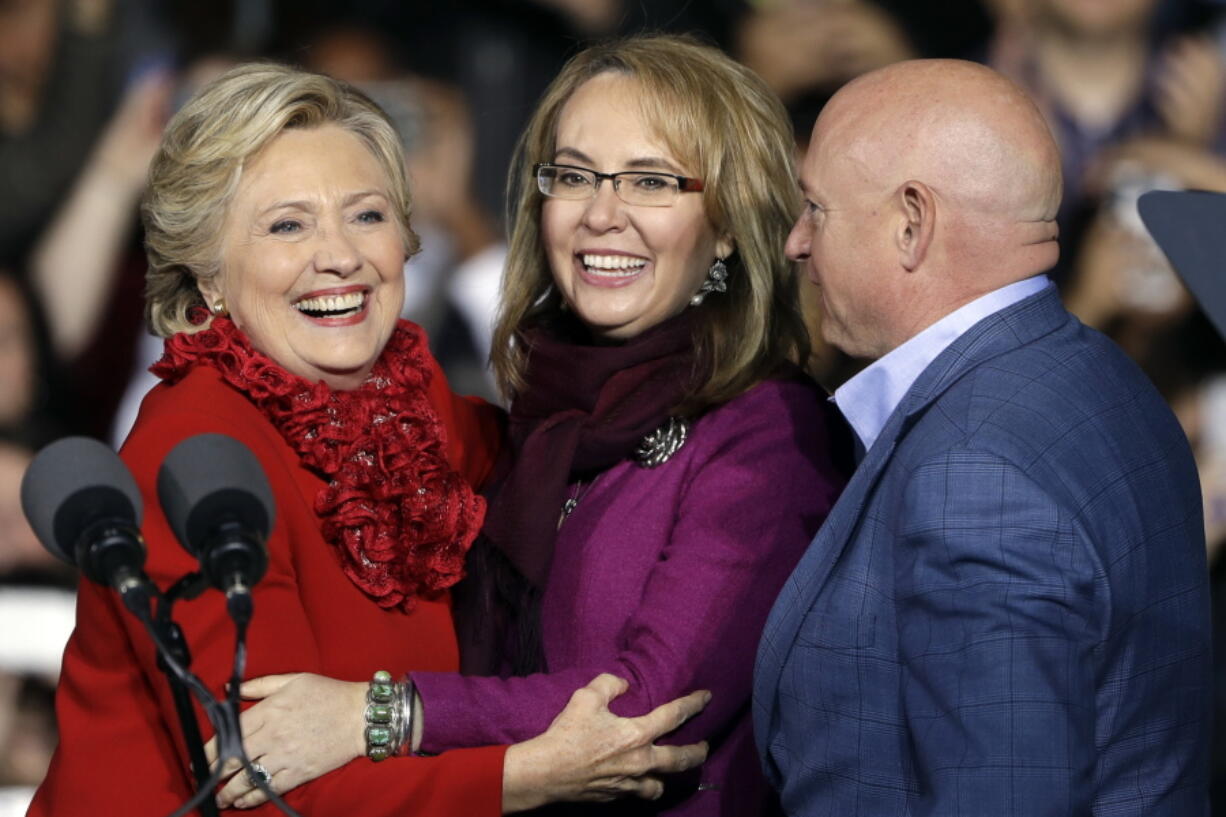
35, 600
87, 267
27, 377
1133, 90
806, 49
60, 74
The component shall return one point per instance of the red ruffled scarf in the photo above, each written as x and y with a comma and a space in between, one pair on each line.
399, 515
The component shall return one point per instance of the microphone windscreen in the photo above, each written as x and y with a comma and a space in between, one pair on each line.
211, 478
72, 483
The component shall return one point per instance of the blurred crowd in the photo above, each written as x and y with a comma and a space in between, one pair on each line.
1134, 90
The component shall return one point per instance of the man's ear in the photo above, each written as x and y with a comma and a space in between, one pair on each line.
917, 223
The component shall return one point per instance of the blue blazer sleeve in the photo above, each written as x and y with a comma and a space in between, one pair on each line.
1000, 608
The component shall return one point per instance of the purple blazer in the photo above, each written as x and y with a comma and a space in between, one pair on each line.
665, 577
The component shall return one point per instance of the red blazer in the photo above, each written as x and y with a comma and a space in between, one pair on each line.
121, 751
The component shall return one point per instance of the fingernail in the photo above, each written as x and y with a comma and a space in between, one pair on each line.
706, 698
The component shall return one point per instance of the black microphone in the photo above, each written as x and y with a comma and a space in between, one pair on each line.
219, 505
85, 508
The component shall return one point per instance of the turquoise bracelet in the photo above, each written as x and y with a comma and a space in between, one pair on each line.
388, 716
382, 716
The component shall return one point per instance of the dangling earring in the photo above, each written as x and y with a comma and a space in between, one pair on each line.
714, 283
219, 308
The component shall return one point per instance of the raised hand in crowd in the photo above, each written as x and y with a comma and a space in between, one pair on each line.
76, 258
1191, 90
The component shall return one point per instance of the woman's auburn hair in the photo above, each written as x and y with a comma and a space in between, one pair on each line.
725, 124
197, 168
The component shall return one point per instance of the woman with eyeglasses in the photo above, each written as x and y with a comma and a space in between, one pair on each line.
669, 461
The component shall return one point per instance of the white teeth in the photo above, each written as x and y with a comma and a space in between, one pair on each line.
332, 303
621, 265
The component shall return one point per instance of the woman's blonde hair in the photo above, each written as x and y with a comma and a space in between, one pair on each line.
728, 128
199, 164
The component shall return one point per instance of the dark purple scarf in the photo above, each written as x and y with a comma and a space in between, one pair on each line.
583, 409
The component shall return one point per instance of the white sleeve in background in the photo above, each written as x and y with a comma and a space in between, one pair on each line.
473, 289
140, 381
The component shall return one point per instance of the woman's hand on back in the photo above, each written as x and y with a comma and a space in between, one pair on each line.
588, 754
306, 725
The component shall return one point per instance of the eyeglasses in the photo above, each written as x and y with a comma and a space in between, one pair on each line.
649, 189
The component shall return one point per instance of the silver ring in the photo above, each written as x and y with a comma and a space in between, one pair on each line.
256, 775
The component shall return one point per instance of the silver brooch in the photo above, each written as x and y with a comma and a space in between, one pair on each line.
659, 446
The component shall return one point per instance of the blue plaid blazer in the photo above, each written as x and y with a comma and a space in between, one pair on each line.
1007, 612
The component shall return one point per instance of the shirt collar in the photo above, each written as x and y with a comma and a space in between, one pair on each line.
868, 399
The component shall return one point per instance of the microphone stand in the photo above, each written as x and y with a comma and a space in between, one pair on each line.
187, 587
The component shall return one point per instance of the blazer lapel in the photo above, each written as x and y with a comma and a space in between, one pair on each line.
996, 334
814, 567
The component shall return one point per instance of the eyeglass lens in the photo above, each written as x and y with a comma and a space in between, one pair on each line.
651, 189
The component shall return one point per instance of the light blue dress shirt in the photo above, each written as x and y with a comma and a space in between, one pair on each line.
868, 399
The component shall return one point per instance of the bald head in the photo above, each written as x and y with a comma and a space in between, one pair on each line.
963, 129
948, 173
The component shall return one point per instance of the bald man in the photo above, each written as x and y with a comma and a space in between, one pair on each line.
1006, 613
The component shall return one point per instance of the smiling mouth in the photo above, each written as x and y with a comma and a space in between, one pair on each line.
612, 266
333, 306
